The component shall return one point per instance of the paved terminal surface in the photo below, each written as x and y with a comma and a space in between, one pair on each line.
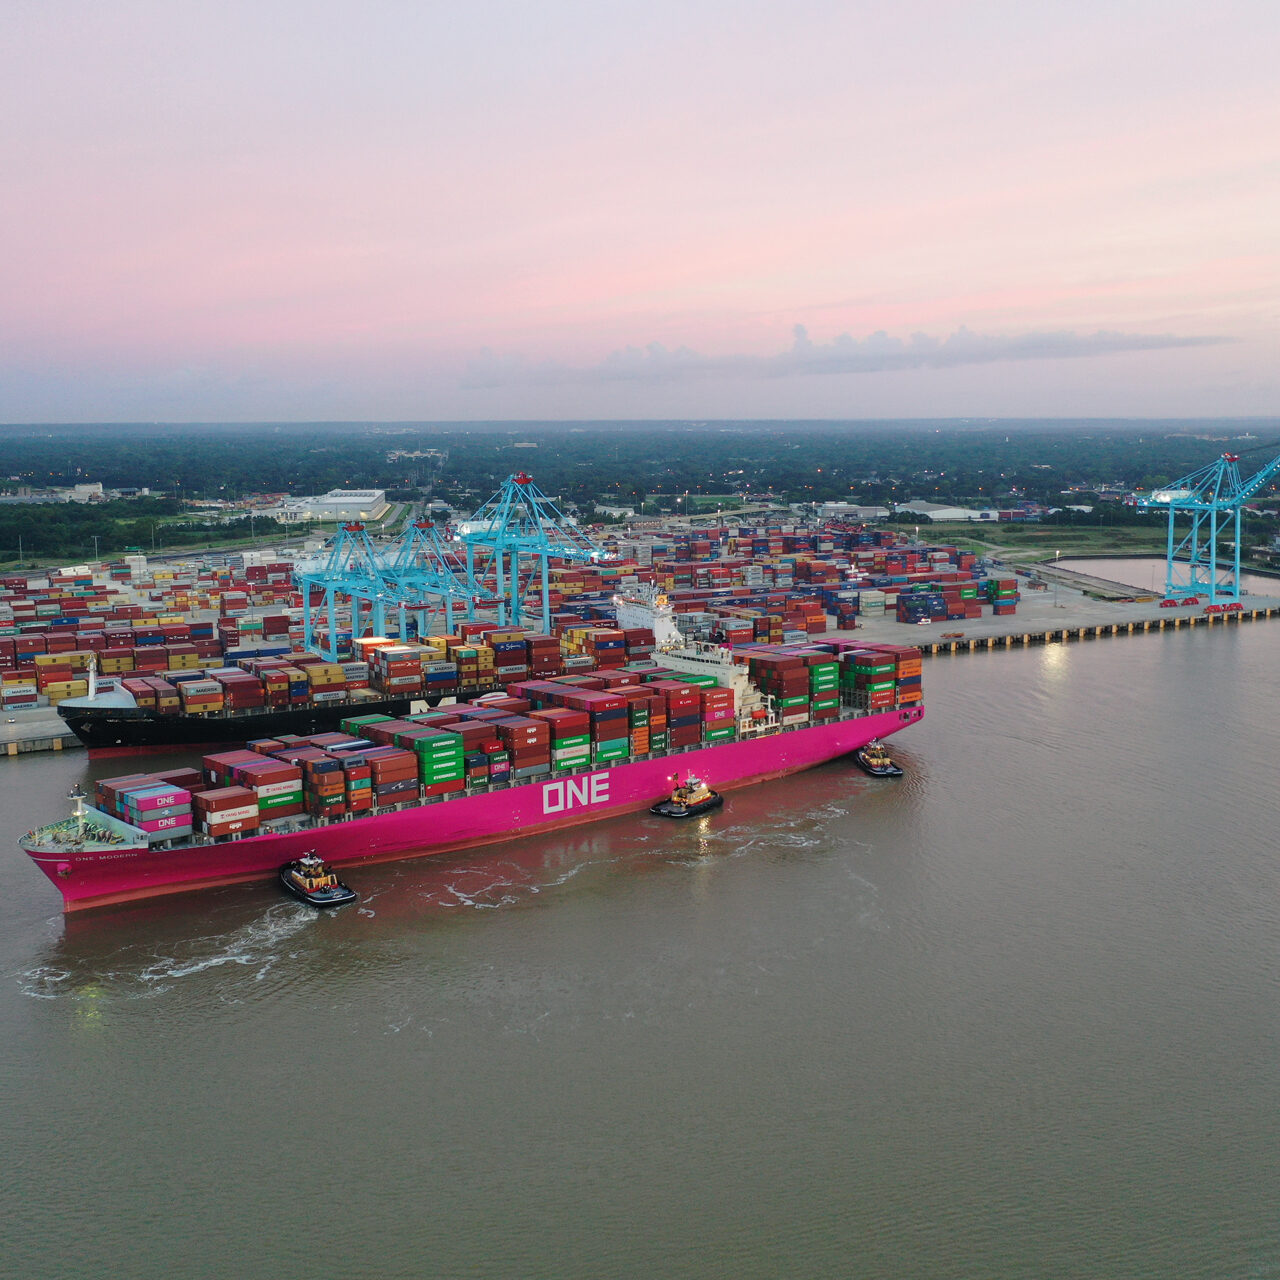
1062, 606
37, 729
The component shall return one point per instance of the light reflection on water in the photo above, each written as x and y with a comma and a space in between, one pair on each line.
1014, 1014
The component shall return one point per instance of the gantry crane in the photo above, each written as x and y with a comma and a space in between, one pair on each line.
351, 572
1214, 498
422, 567
521, 523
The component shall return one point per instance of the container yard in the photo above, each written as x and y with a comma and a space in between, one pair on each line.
214, 639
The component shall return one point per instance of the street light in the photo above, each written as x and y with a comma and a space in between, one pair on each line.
1056, 554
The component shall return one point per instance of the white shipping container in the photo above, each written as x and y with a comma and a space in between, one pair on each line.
277, 788
240, 814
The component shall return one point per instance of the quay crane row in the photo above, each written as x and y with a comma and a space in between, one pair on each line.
490, 562
1214, 497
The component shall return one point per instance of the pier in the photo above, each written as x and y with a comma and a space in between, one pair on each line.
40, 730
1095, 631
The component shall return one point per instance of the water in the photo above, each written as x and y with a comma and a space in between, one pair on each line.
1015, 1015
1148, 572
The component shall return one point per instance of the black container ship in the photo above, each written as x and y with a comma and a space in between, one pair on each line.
112, 723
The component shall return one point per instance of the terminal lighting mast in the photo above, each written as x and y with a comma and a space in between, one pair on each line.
1214, 499
521, 521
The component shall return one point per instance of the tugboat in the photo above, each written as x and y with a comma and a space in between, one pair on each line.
312, 881
876, 761
688, 799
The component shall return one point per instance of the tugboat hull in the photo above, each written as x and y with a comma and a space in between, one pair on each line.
336, 896
670, 809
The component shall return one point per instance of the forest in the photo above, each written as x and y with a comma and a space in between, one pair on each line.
650, 465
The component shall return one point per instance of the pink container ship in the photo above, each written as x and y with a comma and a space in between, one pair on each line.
734, 719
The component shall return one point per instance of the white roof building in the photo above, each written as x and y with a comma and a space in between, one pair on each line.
940, 511
830, 510
337, 504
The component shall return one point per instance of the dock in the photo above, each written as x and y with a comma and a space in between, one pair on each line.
39, 730
1070, 607
1095, 631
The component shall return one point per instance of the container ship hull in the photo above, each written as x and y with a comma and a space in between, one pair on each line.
468, 820
115, 731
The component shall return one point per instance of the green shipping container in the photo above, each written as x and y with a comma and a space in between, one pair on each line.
354, 724
274, 802
613, 750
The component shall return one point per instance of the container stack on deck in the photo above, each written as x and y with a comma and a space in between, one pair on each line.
537, 728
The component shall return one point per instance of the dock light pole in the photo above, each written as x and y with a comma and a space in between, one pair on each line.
1056, 554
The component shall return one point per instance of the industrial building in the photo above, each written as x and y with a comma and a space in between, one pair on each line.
337, 504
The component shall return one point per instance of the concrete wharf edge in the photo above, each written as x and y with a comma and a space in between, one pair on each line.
1094, 631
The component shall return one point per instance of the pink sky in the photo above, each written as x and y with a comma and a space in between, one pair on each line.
389, 210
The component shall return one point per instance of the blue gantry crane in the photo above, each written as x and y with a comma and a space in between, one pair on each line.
422, 574
1214, 498
426, 570
517, 533
350, 573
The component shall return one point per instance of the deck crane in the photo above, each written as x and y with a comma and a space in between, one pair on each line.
1214, 498
351, 570
521, 523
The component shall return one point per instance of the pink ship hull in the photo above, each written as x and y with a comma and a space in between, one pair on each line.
90, 879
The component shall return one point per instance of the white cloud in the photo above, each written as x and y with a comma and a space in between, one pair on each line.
878, 353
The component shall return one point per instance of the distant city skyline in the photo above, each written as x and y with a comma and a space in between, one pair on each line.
322, 211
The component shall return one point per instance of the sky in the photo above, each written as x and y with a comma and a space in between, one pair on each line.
408, 210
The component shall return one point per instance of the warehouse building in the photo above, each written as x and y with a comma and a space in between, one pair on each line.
337, 504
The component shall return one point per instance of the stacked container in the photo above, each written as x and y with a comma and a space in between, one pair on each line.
510, 654
718, 722
869, 678
570, 736
527, 742
242, 691
160, 809
441, 766
824, 687
394, 775
1003, 594
683, 704
396, 670
327, 681
226, 811
784, 677
543, 655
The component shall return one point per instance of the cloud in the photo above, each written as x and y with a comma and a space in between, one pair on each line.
878, 353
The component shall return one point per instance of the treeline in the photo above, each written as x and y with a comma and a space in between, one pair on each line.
67, 531
985, 462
